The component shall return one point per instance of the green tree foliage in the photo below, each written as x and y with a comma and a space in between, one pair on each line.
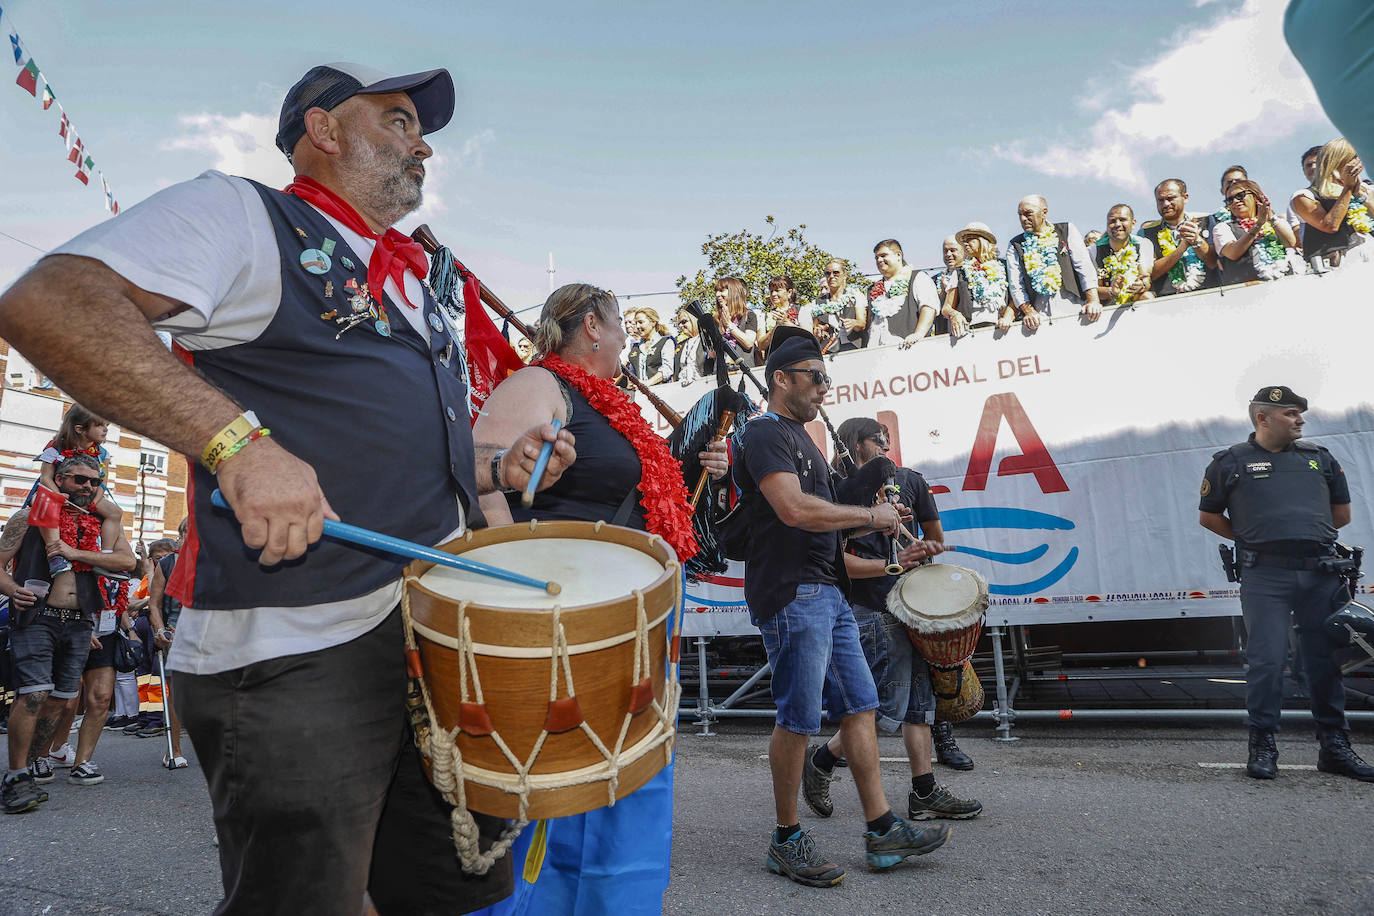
756, 259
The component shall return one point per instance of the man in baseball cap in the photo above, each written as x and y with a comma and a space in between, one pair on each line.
329, 85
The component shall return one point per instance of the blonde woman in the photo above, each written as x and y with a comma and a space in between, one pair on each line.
1335, 208
654, 362
979, 295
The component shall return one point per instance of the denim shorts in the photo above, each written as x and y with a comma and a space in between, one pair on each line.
813, 649
50, 654
904, 690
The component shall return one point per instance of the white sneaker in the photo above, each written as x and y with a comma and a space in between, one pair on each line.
65, 756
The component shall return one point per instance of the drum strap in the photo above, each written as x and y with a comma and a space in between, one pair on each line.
627, 505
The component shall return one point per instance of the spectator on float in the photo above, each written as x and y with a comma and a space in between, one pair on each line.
1048, 267
1183, 259
738, 323
1226, 268
903, 303
1335, 206
780, 309
842, 307
654, 362
629, 354
1309, 174
691, 359
1255, 244
980, 295
524, 349
1091, 238
951, 255
1123, 260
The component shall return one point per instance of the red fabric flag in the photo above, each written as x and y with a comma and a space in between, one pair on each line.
81, 175
77, 150
28, 78
62, 126
46, 510
491, 359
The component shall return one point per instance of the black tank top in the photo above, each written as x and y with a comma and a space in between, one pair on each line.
1316, 242
598, 482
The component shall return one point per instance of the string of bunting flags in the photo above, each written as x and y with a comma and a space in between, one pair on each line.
30, 78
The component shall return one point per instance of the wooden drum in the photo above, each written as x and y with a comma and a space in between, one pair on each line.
943, 608
540, 706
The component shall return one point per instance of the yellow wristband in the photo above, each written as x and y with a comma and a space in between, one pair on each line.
242, 426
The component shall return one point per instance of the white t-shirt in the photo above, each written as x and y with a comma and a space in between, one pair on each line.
209, 243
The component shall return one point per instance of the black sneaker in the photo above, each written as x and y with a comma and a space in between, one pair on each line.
799, 860
1337, 756
150, 731
947, 752
816, 785
115, 723
41, 771
19, 794
941, 803
134, 727
901, 840
87, 774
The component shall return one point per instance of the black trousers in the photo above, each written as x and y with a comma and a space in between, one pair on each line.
318, 789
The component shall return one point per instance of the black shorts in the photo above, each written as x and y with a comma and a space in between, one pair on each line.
104, 657
309, 834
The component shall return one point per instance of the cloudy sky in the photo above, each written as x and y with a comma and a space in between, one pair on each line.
619, 136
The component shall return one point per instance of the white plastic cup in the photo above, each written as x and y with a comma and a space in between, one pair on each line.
38, 587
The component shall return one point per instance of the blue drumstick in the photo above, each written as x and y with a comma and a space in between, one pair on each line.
541, 464
388, 544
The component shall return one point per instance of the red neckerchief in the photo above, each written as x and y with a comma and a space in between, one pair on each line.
393, 253
82, 532
661, 490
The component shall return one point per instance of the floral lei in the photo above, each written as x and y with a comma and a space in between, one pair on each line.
830, 305
1267, 252
81, 532
661, 490
1357, 215
1124, 263
1040, 254
1189, 272
987, 282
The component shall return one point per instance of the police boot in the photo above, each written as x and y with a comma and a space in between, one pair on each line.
1264, 754
946, 751
1336, 756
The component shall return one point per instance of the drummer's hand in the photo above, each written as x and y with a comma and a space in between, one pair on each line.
917, 551
715, 459
276, 498
886, 518
518, 462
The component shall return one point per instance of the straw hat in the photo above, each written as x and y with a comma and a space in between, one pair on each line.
972, 229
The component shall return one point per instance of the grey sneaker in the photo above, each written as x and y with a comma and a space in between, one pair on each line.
901, 840
799, 860
41, 771
87, 774
941, 803
816, 785
150, 731
19, 794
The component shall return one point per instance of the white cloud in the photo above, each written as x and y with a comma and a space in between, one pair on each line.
1221, 86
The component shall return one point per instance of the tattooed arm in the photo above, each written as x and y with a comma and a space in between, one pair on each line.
10, 539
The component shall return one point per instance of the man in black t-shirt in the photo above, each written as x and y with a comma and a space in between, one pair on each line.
1282, 500
792, 582
906, 702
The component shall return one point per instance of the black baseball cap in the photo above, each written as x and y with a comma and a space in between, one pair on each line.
1279, 396
329, 85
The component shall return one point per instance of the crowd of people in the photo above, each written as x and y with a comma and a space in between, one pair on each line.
1050, 269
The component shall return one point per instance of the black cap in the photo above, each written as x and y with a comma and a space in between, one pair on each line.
329, 85
1279, 396
791, 345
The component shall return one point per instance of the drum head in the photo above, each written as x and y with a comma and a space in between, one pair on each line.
941, 597
590, 572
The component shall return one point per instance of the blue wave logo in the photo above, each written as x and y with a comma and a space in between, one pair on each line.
1004, 518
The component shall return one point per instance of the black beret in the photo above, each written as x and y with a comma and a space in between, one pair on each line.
791, 345
1279, 396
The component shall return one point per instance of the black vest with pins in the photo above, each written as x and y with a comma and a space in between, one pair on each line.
382, 419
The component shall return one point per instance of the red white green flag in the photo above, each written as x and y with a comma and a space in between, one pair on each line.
28, 78
48, 97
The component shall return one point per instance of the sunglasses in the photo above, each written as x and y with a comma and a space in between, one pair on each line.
880, 439
83, 480
817, 376
831, 273
1237, 197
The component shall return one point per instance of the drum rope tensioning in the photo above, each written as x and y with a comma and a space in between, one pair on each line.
599, 761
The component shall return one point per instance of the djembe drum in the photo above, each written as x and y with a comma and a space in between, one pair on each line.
943, 607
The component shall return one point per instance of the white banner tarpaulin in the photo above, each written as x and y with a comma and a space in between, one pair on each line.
1066, 463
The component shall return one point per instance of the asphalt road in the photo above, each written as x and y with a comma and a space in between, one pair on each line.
1077, 819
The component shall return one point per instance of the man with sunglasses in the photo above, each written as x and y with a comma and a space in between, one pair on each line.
51, 635
794, 584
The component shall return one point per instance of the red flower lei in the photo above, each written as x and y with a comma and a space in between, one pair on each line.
81, 532
661, 490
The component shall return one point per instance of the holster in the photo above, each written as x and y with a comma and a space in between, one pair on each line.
1228, 562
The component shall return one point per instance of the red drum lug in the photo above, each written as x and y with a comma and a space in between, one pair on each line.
564, 715
473, 719
641, 696
413, 666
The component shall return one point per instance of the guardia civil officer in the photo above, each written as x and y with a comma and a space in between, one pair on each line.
1281, 500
